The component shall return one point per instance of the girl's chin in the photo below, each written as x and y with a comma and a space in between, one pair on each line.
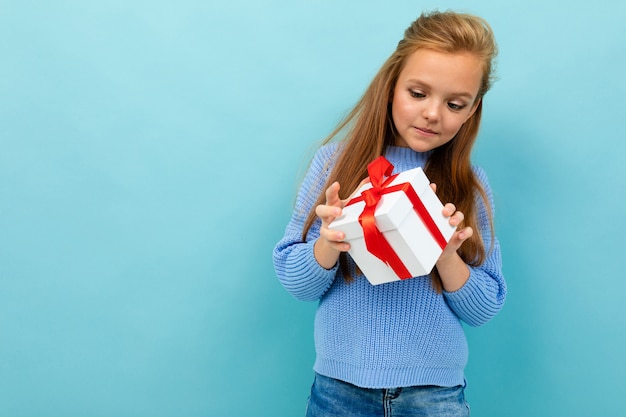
418, 145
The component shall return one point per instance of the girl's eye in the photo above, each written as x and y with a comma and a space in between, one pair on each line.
416, 94
456, 106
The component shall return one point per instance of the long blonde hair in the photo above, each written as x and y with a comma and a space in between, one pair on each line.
369, 128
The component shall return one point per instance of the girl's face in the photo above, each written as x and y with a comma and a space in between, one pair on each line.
435, 94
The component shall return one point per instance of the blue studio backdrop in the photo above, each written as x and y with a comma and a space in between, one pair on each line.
150, 154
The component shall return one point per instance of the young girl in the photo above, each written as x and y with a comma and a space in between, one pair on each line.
399, 348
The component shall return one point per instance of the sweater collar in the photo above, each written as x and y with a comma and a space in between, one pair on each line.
404, 158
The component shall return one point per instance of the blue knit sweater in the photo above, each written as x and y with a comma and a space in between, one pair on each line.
391, 335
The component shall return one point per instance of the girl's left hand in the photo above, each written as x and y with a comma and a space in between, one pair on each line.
461, 235
456, 218
453, 271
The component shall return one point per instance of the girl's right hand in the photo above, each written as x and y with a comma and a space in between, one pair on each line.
330, 243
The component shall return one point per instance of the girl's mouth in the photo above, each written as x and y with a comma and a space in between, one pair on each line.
426, 131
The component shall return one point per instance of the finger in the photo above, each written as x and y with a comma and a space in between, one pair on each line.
339, 246
332, 194
327, 212
457, 218
332, 236
433, 186
464, 234
342, 246
458, 238
449, 209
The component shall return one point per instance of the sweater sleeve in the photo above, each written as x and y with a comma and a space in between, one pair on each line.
483, 295
294, 261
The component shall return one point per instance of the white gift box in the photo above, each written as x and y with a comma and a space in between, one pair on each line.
407, 229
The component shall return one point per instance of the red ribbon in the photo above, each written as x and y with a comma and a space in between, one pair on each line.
375, 241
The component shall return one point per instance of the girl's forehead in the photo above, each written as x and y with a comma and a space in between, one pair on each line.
462, 71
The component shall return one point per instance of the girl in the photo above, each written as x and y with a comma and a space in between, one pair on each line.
399, 348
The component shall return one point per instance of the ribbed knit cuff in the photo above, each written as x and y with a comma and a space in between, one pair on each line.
308, 280
471, 302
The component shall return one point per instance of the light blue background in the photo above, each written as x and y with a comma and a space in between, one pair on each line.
150, 153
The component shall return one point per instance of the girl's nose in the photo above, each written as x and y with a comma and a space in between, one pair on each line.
431, 111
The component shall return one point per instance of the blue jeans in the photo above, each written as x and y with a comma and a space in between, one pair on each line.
333, 398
